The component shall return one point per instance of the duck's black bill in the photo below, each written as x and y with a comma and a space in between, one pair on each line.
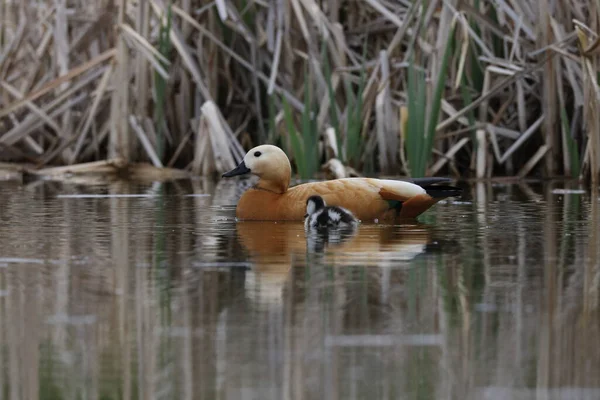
241, 169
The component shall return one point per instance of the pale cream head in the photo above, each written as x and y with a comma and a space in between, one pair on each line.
271, 165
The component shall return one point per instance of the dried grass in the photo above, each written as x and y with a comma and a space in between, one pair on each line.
89, 81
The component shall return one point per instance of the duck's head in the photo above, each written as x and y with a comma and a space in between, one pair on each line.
314, 204
270, 164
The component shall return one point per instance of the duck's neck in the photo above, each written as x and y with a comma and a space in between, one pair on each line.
276, 179
277, 186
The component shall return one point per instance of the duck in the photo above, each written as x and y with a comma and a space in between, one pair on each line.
321, 216
368, 199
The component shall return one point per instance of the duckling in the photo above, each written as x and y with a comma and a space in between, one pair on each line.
327, 225
319, 215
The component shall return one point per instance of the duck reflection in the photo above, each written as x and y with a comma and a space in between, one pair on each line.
275, 248
277, 242
318, 239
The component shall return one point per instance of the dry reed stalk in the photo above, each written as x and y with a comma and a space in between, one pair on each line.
120, 138
589, 59
449, 155
92, 112
95, 167
201, 164
533, 160
33, 122
145, 142
219, 140
57, 82
244, 61
35, 109
149, 173
142, 24
387, 133
61, 49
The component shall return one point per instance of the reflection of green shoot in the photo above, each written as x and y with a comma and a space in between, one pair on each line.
162, 280
571, 214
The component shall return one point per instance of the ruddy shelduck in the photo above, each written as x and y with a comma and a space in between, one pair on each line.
369, 199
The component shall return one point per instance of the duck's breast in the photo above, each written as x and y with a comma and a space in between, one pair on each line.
256, 204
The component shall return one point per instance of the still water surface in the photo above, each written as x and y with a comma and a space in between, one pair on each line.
157, 293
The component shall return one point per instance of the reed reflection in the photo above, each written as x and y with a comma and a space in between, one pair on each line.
165, 295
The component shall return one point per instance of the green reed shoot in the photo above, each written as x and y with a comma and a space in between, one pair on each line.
310, 133
304, 143
349, 145
421, 127
354, 121
415, 139
333, 113
295, 142
272, 125
571, 145
160, 85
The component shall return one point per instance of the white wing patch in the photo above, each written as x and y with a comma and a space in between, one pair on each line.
401, 187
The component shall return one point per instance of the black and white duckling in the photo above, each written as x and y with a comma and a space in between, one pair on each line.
319, 215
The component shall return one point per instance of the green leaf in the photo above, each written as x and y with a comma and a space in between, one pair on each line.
437, 99
416, 119
294, 139
571, 144
307, 129
335, 123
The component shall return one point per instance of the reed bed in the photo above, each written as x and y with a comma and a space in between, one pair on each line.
471, 88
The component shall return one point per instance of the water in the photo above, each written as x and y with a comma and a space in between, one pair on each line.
158, 293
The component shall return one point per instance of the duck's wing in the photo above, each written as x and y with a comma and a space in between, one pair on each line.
418, 201
357, 186
428, 186
366, 196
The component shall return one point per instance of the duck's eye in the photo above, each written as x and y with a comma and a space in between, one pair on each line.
257, 154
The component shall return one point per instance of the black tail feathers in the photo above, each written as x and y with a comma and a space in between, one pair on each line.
428, 181
442, 191
437, 191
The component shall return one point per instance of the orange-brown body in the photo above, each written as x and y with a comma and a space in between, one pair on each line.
362, 196
367, 198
